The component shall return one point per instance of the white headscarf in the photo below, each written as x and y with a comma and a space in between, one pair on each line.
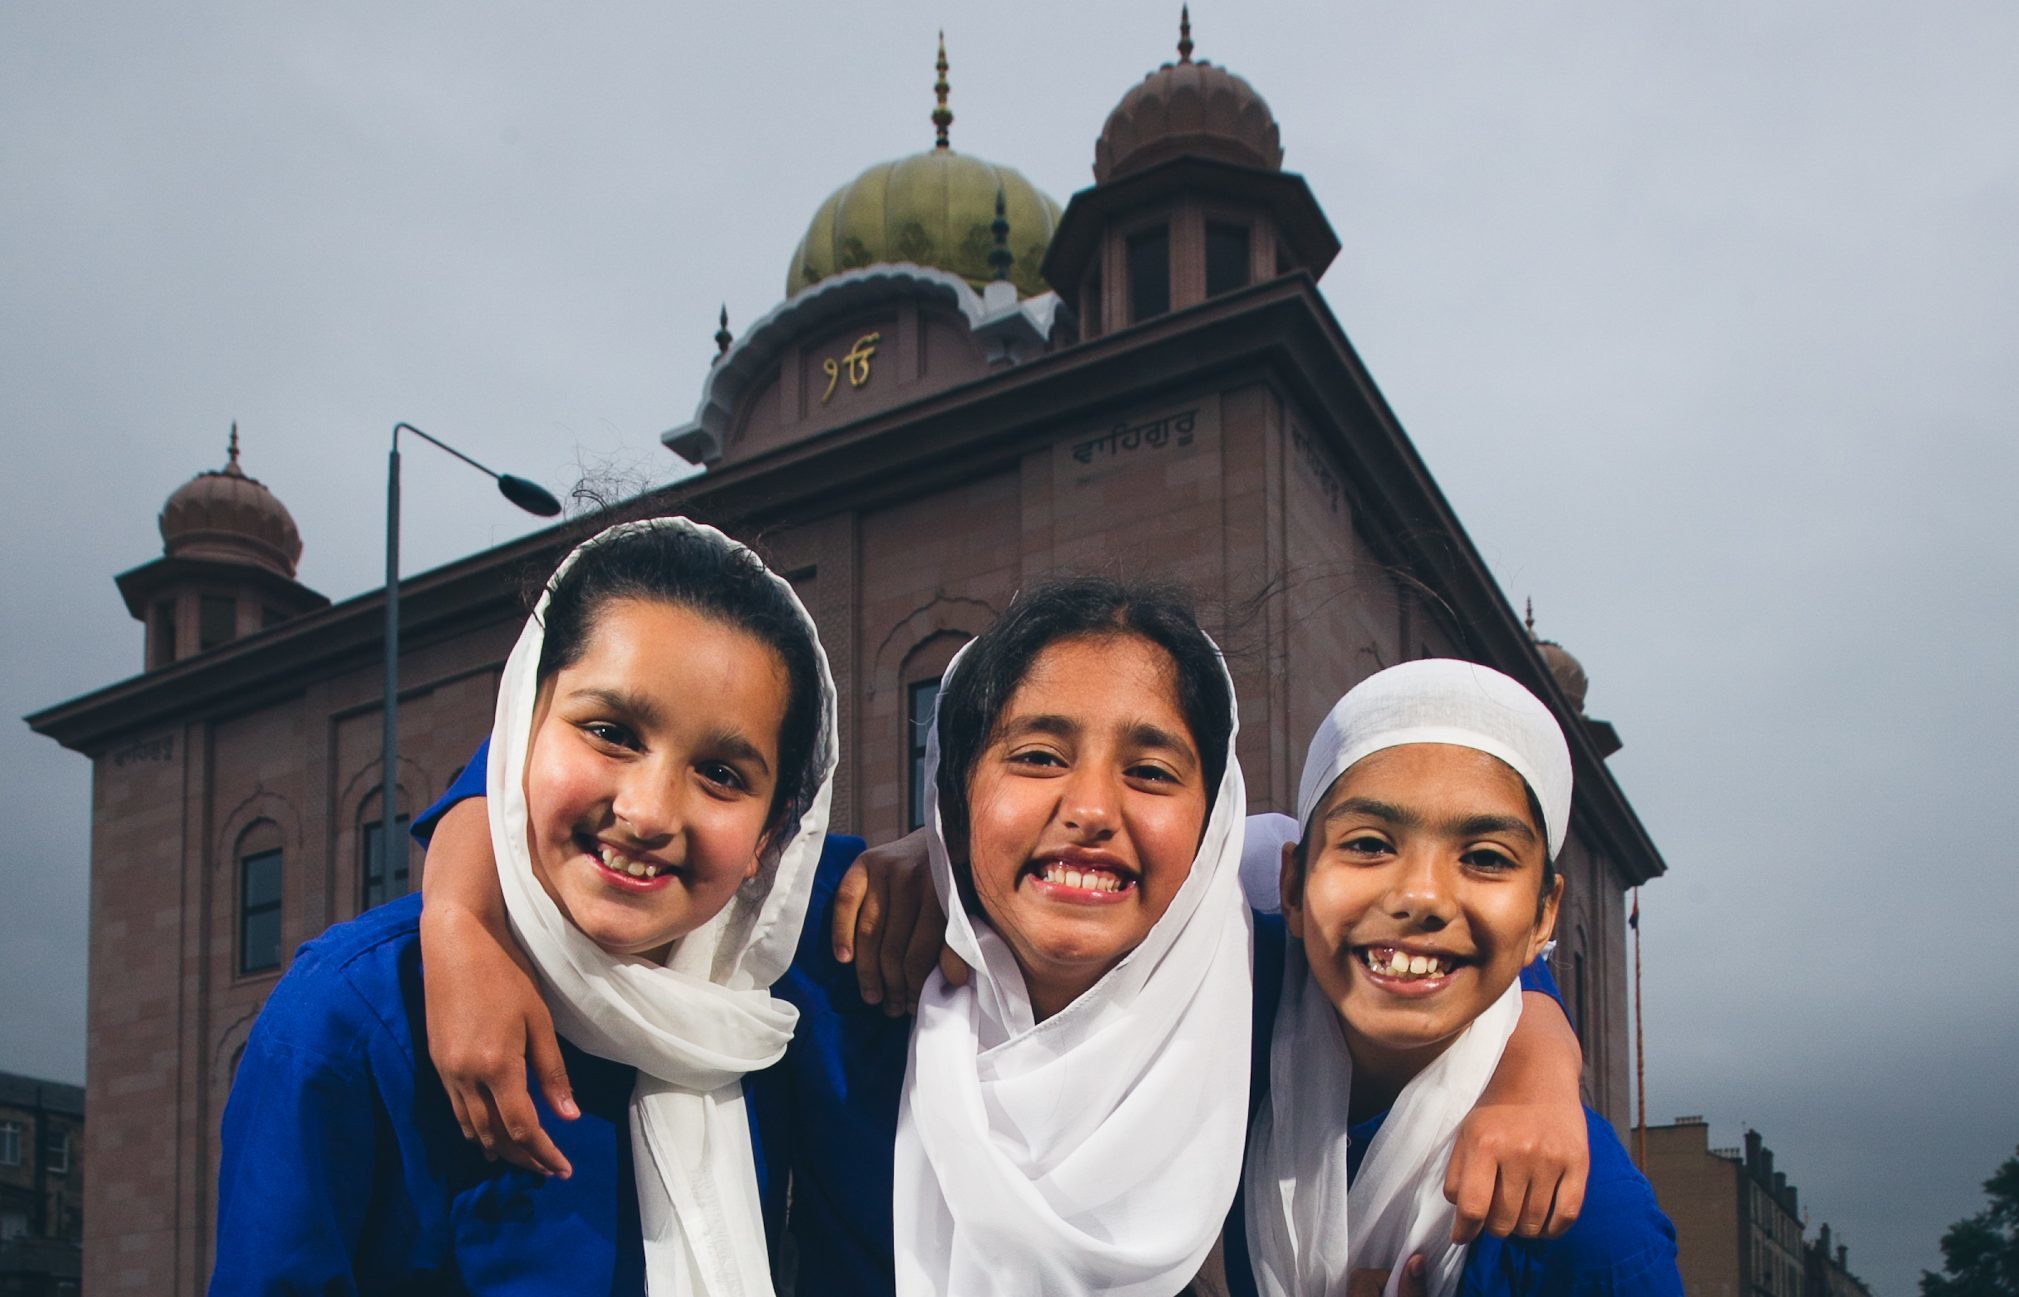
1306, 1230
1097, 1151
693, 1027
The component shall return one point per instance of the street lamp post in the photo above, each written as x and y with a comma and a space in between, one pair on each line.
529, 496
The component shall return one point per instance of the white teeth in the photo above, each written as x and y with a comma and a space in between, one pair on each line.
1398, 962
1085, 880
1419, 965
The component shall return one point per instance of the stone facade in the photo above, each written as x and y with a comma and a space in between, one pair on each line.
1738, 1221
41, 1186
1232, 442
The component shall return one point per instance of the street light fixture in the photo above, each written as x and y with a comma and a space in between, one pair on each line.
529, 496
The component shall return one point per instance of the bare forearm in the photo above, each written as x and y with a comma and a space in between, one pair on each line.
461, 873
1543, 1061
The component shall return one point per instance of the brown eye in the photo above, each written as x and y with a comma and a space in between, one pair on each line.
1491, 861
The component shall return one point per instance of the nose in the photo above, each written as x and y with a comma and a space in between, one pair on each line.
1088, 802
647, 803
1421, 894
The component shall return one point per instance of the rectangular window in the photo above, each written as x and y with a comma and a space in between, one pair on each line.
1149, 274
164, 633
56, 1153
1577, 966
13, 1225
378, 889
10, 1143
1090, 318
259, 912
919, 700
1226, 258
216, 621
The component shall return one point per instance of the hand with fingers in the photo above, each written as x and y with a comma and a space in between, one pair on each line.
889, 924
1523, 1153
487, 1020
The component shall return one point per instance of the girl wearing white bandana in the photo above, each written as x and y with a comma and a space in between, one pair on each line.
1434, 800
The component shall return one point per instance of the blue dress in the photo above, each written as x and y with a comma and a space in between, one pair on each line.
344, 1171
1621, 1243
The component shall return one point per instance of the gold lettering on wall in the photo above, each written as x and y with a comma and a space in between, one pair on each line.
855, 364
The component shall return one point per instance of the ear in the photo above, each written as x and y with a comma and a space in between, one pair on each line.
1289, 888
1545, 919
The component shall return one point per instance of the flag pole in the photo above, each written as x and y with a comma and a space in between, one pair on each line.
1639, 1034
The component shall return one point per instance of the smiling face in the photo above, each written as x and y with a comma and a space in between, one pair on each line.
651, 770
1086, 807
1421, 900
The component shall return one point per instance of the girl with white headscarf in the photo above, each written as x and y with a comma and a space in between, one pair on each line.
1094, 1149
1423, 883
663, 759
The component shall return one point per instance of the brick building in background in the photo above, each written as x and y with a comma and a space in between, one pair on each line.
1738, 1221
41, 1186
964, 390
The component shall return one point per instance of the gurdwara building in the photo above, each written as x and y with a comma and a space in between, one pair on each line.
964, 388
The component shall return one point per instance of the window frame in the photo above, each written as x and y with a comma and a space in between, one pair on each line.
1159, 232
369, 833
10, 1138
247, 911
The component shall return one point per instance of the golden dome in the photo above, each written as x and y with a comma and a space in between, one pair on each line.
930, 209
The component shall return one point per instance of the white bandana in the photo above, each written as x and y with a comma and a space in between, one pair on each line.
693, 1027
1306, 1230
1097, 1151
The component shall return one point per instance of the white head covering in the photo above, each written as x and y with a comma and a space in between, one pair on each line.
693, 1027
1262, 860
1306, 1230
1097, 1151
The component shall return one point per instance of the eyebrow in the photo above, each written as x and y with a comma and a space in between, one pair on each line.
733, 744
1142, 734
645, 712
636, 706
1468, 826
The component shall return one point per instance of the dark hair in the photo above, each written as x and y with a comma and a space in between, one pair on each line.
1304, 844
1001, 656
729, 585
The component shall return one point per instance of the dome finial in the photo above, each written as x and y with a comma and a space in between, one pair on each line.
1000, 258
231, 453
722, 335
1530, 618
1185, 33
942, 116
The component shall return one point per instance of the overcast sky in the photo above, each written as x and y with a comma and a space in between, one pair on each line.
1703, 315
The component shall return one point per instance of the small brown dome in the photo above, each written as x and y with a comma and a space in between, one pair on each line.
223, 514
1569, 672
1190, 109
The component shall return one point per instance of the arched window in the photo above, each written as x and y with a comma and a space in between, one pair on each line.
378, 883
259, 897
922, 670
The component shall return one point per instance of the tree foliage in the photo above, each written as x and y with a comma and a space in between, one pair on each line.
1980, 1254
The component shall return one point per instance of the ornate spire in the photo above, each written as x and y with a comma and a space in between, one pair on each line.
722, 335
231, 453
1529, 619
1000, 258
942, 116
1185, 33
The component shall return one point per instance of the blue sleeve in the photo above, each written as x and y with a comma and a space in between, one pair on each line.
1621, 1245
1537, 977
296, 1174
468, 784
